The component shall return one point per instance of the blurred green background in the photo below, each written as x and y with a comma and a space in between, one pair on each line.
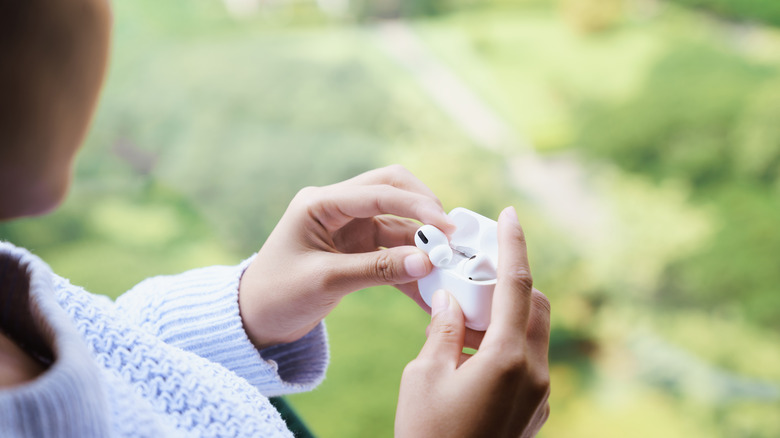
638, 139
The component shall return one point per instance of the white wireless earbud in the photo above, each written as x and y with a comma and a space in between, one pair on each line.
435, 243
478, 268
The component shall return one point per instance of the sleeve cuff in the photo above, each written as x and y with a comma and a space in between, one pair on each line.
198, 312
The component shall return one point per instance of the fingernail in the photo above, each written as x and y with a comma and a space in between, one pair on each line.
510, 213
415, 265
440, 301
450, 224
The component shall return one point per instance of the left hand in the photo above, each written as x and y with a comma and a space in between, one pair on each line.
334, 240
503, 389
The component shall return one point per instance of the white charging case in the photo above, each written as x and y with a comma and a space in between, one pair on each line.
474, 234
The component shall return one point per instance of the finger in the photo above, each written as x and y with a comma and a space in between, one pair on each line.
396, 176
399, 265
474, 339
538, 331
335, 206
394, 231
541, 412
543, 417
533, 427
370, 234
471, 339
446, 331
463, 358
512, 295
540, 417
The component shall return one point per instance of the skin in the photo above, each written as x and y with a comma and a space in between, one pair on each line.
56, 54
331, 241
338, 240
16, 367
507, 380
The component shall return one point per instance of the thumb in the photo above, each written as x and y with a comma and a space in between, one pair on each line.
398, 265
447, 331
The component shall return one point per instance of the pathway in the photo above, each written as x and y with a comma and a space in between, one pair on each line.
558, 185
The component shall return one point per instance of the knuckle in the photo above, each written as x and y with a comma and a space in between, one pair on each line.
384, 191
417, 368
313, 202
380, 196
396, 175
540, 301
396, 169
383, 269
522, 277
514, 369
511, 365
444, 329
306, 196
414, 366
306, 192
540, 385
517, 362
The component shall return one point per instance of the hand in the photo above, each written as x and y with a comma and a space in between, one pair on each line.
335, 240
500, 391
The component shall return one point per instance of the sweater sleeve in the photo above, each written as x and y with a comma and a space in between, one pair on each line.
198, 312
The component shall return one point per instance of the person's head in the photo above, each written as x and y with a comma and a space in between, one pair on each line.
53, 59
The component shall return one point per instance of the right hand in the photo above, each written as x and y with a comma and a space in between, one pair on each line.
335, 240
500, 391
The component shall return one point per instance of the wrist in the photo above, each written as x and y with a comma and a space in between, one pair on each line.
267, 320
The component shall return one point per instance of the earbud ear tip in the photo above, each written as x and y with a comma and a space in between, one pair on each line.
440, 255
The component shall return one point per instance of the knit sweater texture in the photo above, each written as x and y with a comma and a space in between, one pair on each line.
169, 358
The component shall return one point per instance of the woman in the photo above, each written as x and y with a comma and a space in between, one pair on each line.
199, 353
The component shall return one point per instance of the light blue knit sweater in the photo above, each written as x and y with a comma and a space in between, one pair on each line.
169, 358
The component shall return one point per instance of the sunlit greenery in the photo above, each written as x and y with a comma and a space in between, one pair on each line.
744, 10
665, 294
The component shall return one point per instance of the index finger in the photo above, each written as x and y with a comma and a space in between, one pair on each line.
396, 176
512, 296
335, 206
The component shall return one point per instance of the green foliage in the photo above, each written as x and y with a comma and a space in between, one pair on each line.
109, 240
385, 9
688, 114
707, 116
209, 125
591, 16
683, 123
257, 115
767, 11
758, 137
739, 268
